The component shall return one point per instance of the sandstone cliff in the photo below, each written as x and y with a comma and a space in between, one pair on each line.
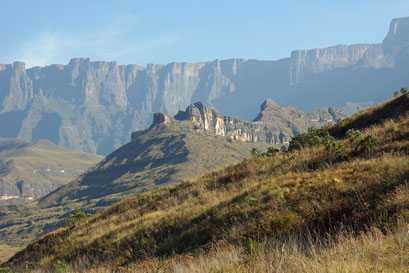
94, 106
274, 124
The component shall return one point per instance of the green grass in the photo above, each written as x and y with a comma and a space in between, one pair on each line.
259, 212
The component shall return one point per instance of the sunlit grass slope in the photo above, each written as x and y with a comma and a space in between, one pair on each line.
328, 205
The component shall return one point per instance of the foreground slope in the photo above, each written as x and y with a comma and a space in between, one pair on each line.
32, 170
322, 187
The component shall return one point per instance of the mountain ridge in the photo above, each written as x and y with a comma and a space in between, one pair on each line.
95, 106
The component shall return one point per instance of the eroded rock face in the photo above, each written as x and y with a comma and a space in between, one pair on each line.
308, 62
94, 106
274, 124
397, 38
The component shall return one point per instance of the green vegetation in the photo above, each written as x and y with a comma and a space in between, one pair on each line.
318, 207
271, 151
60, 267
77, 216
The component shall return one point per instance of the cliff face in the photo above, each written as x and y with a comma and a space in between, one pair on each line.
274, 124
94, 106
307, 62
397, 36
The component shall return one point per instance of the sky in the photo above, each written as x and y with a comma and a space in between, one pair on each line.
41, 33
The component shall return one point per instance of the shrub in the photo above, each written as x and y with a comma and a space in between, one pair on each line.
77, 216
252, 246
396, 93
60, 267
404, 90
255, 152
354, 135
5, 270
369, 142
271, 151
313, 137
144, 200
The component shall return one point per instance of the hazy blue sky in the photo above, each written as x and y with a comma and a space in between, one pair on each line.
141, 32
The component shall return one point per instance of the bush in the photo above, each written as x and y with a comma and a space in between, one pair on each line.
60, 267
396, 93
77, 216
255, 152
368, 143
5, 270
313, 137
252, 246
271, 151
354, 135
404, 90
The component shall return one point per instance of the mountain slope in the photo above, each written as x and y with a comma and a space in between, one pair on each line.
163, 154
32, 170
329, 186
182, 147
95, 106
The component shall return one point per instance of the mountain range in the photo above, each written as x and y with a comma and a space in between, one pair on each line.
95, 106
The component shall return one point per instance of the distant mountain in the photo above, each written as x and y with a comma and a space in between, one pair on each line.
32, 170
95, 106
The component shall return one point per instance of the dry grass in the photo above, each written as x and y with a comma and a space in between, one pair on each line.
371, 251
316, 209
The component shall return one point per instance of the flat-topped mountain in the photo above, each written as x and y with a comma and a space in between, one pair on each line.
32, 170
95, 106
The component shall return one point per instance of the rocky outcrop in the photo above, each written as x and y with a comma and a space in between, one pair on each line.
94, 106
274, 124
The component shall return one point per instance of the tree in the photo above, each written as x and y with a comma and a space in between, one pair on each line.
396, 93
404, 90
271, 151
255, 152
77, 216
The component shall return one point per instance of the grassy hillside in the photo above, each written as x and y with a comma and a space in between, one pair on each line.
160, 156
29, 171
327, 205
32, 170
